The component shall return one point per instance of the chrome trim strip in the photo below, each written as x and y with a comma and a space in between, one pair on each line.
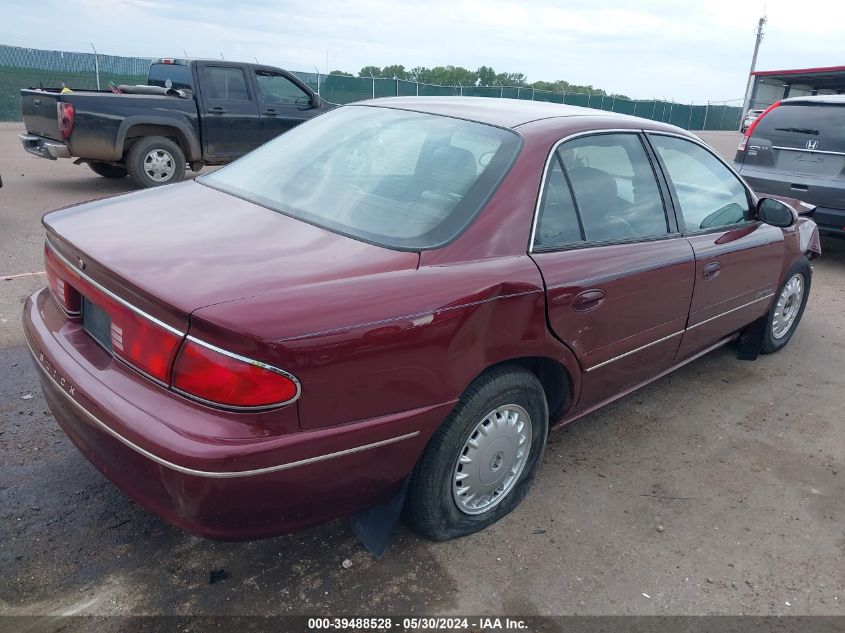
548, 162
809, 151
744, 305
684, 331
111, 295
213, 474
633, 351
250, 361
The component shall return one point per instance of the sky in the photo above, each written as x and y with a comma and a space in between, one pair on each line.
685, 51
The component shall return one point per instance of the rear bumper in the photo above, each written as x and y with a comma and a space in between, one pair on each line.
44, 147
828, 195
201, 481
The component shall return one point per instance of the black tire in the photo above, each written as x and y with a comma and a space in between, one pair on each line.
771, 343
170, 152
108, 171
430, 507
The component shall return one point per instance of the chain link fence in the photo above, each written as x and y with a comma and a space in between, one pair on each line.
33, 68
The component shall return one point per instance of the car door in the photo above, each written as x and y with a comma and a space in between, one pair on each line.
738, 259
618, 276
230, 121
283, 103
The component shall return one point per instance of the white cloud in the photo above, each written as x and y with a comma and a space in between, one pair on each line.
688, 51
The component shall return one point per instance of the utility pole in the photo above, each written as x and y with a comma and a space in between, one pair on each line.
746, 104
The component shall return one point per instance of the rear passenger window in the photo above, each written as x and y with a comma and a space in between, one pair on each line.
708, 192
225, 84
558, 222
616, 193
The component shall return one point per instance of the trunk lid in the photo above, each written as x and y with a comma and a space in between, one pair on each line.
174, 249
38, 109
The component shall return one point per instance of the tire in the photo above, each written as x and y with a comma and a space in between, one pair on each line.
108, 171
776, 337
491, 401
153, 161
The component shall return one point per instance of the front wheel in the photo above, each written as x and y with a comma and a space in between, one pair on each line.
154, 161
788, 307
480, 463
107, 170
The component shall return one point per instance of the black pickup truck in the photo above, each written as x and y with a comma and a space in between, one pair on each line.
191, 113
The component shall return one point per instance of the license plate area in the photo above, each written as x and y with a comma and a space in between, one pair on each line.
96, 322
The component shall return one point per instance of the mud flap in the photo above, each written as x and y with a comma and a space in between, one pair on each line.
375, 526
751, 340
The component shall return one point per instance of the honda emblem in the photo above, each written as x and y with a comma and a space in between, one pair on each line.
812, 144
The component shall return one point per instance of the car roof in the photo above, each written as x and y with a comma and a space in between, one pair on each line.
508, 113
815, 99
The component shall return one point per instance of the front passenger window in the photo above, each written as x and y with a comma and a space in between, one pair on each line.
708, 192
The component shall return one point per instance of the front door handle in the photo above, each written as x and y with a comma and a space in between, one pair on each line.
217, 110
589, 300
270, 112
711, 270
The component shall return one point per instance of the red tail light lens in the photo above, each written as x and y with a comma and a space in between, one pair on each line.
225, 379
750, 128
65, 115
140, 341
64, 294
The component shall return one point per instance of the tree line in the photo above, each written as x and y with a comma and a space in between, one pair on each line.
458, 75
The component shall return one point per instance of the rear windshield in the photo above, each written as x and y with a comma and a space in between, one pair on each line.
804, 122
178, 75
399, 179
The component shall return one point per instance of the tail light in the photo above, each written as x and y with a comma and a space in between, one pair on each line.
137, 338
750, 129
220, 377
65, 114
200, 370
141, 341
57, 278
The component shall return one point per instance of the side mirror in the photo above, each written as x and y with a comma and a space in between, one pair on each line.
316, 101
775, 212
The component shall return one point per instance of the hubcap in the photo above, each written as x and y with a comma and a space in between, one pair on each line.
159, 165
788, 306
491, 459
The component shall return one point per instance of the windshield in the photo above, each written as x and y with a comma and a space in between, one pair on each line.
399, 179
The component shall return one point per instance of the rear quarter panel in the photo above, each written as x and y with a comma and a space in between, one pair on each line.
393, 342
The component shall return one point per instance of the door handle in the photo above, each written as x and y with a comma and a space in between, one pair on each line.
589, 300
711, 270
217, 110
270, 112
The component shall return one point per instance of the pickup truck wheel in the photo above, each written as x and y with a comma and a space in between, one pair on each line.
108, 171
154, 161
480, 463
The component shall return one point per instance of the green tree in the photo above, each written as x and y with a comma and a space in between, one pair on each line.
368, 71
340, 73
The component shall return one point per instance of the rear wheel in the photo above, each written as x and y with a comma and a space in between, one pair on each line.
107, 170
480, 463
788, 307
154, 161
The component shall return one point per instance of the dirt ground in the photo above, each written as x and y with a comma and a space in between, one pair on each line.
718, 489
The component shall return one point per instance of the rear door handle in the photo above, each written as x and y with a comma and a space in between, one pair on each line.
711, 270
589, 300
217, 110
270, 112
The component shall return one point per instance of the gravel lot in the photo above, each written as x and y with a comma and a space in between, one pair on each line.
718, 489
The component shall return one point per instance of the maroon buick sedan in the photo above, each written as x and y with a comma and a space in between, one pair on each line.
406, 291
